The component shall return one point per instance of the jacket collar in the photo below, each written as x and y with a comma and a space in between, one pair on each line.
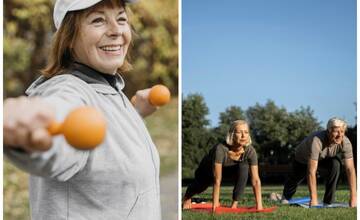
92, 76
101, 82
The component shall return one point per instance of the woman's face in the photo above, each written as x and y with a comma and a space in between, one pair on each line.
104, 39
241, 135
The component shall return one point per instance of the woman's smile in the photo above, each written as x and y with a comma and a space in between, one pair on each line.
112, 50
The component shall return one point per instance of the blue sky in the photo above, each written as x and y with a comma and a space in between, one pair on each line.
295, 52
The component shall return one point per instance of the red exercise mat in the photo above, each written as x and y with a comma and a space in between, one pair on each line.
207, 207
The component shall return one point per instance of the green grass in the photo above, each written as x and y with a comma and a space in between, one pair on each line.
283, 212
163, 127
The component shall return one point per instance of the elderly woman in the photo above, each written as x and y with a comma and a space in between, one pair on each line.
231, 159
320, 151
120, 178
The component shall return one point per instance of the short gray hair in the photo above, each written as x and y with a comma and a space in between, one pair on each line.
336, 122
230, 134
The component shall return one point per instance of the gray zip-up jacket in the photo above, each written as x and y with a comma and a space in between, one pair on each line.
117, 180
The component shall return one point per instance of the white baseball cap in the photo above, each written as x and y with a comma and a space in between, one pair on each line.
63, 6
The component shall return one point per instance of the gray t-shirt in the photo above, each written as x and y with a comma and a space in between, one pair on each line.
221, 156
317, 147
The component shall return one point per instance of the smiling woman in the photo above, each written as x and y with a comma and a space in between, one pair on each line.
120, 178
322, 152
97, 37
104, 39
233, 159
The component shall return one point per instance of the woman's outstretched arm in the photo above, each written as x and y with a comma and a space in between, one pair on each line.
217, 183
256, 184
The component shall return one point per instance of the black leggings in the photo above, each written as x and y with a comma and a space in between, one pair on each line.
204, 177
329, 167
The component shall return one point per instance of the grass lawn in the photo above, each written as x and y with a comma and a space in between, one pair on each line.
283, 211
163, 127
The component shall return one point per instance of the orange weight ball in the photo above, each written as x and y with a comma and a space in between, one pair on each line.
84, 128
159, 95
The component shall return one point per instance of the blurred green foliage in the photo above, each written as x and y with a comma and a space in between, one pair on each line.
28, 30
26, 40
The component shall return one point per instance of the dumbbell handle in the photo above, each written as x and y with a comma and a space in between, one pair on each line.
55, 128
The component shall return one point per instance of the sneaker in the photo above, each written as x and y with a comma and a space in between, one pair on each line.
284, 201
275, 197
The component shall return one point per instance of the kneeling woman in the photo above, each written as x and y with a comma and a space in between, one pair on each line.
230, 159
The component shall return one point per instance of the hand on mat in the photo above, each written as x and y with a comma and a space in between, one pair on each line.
25, 124
142, 104
352, 202
215, 205
259, 207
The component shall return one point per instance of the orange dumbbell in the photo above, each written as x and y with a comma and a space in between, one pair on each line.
84, 128
159, 95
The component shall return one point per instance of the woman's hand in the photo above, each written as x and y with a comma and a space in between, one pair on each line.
256, 184
25, 124
142, 104
351, 176
217, 183
259, 207
215, 205
352, 202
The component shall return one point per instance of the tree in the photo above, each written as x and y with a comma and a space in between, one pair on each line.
194, 132
269, 128
26, 40
155, 45
277, 132
301, 123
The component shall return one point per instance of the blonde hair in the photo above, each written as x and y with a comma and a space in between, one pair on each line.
230, 133
61, 53
336, 122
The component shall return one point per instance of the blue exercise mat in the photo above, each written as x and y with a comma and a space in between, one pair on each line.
304, 202
321, 205
299, 200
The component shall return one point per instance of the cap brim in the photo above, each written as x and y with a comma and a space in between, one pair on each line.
79, 5
59, 13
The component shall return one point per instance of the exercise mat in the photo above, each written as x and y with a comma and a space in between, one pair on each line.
304, 202
207, 207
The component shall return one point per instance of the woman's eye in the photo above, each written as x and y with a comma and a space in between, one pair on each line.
97, 20
122, 19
